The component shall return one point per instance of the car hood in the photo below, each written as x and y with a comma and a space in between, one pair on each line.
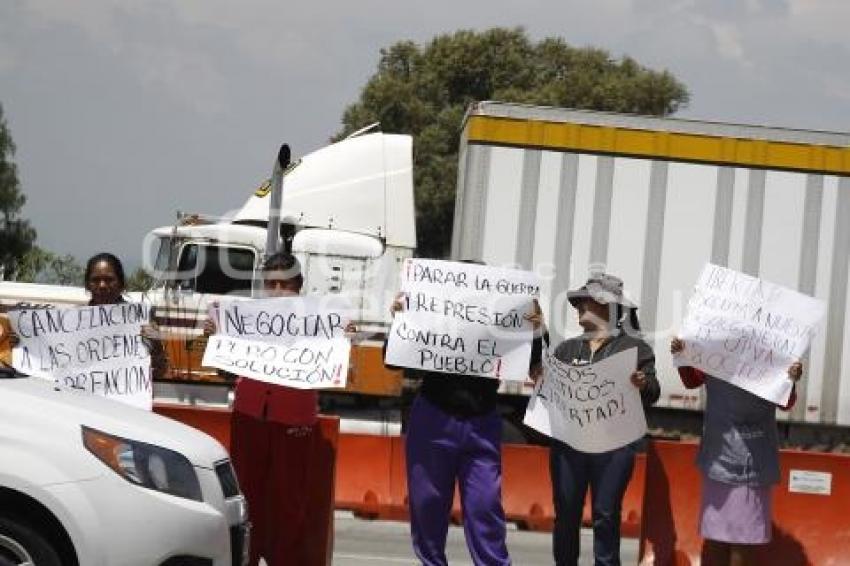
60, 409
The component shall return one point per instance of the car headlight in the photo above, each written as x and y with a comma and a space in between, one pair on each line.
145, 465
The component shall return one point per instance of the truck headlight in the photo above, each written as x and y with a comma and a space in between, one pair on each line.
145, 465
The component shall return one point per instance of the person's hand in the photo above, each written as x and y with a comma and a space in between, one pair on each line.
535, 373
209, 328
676, 345
795, 371
639, 380
535, 317
398, 303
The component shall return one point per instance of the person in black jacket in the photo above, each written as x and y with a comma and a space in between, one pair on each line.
610, 326
454, 435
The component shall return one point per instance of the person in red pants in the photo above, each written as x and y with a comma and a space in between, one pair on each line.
276, 451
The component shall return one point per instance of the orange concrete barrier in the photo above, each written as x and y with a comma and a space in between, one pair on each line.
363, 481
397, 509
527, 487
372, 482
371, 474
807, 528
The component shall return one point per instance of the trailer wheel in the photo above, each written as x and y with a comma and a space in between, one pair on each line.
21, 545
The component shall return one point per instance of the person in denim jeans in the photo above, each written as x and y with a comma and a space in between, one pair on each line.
610, 326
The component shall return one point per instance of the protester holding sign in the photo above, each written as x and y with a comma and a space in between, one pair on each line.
108, 348
464, 319
273, 440
747, 331
739, 461
454, 436
106, 283
610, 326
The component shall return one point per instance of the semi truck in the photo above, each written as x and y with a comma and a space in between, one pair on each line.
652, 200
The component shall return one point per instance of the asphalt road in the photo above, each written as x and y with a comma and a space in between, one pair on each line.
376, 543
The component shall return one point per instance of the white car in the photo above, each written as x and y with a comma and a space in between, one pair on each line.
86, 481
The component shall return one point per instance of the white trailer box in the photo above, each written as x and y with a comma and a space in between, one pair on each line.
652, 200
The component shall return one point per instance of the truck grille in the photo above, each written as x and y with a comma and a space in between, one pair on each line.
227, 478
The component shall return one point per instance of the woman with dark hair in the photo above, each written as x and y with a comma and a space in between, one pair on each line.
104, 279
105, 282
610, 326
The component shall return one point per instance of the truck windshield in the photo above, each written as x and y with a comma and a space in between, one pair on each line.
162, 255
218, 270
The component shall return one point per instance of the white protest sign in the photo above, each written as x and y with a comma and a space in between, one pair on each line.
464, 319
592, 408
452, 276
747, 331
299, 342
98, 349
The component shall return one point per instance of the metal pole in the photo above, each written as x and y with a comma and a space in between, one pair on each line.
276, 198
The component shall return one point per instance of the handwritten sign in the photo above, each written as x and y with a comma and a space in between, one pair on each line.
747, 331
299, 342
592, 408
452, 277
464, 319
98, 349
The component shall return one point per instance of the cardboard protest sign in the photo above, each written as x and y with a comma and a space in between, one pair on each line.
464, 319
98, 349
747, 331
593, 407
299, 342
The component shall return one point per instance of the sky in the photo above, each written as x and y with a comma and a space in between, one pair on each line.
124, 112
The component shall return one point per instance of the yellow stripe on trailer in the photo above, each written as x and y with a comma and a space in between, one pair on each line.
676, 146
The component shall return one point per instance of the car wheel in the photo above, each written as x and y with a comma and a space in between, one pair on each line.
21, 545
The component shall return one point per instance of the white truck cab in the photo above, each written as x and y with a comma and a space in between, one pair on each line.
86, 481
347, 212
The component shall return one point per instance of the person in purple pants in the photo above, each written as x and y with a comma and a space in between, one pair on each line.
454, 435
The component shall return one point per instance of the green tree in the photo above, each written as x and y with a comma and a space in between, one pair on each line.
31, 264
16, 234
65, 270
140, 280
38, 265
425, 90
